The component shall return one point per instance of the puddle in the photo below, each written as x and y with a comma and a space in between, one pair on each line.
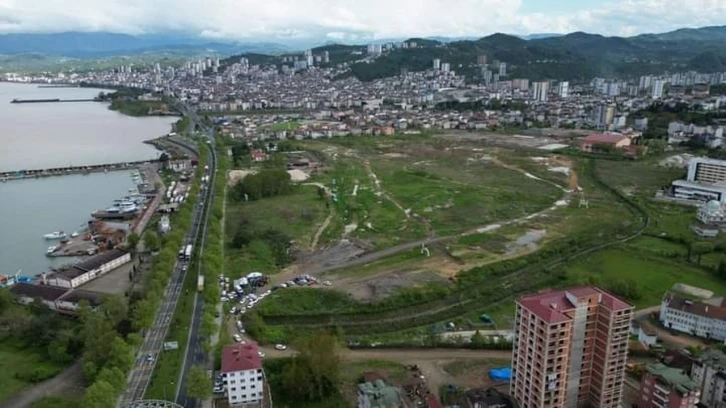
528, 240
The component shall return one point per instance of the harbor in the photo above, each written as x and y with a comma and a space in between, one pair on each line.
64, 171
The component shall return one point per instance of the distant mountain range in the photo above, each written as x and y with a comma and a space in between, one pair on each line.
103, 44
574, 56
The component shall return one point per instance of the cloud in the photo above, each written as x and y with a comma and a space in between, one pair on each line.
349, 20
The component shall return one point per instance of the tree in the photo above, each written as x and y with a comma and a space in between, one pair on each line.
114, 376
99, 395
314, 371
721, 270
199, 385
151, 241
700, 248
133, 241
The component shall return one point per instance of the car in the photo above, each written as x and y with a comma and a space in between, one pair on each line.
280, 347
237, 338
216, 314
184, 268
327, 283
149, 358
261, 354
233, 311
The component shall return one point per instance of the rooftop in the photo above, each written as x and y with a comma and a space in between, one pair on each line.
45, 292
75, 296
695, 307
675, 378
489, 397
240, 357
714, 358
604, 138
553, 306
99, 260
380, 394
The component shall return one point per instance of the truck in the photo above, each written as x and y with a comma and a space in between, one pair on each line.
200, 283
188, 252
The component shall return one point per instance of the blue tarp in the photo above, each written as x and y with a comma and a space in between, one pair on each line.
500, 374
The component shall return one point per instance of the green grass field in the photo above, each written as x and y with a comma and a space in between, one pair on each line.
298, 215
653, 275
455, 199
642, 177
18, 365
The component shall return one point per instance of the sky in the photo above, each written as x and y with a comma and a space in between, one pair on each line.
357, 20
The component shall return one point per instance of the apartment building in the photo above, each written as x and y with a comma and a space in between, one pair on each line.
242, 374
570, 349
667, 387
709, 373
703, 318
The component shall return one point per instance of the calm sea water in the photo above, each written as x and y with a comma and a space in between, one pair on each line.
34, 136
43, 135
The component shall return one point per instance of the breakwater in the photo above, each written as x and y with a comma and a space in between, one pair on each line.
63, 171
55, 100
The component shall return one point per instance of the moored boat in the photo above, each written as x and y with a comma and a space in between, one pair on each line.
55, 235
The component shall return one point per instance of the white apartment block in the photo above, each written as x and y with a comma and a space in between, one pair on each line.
709, 372
242, 374
702, 318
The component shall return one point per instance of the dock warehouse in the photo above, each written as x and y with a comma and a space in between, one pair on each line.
88, 270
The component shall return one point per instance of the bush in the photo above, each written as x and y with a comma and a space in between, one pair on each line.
37, 374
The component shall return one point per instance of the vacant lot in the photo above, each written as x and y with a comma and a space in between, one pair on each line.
20, 365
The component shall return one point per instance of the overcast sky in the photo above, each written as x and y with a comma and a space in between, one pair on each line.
358, 19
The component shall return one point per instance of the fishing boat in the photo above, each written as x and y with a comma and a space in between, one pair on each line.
51, 249
55, 235
74, 234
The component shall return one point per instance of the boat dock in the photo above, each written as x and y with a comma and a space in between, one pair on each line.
64, 171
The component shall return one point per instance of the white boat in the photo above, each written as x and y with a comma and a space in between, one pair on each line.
74, 234
51, 249
55, 235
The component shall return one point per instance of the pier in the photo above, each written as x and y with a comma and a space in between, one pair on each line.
56, 100
64, 171
59, 86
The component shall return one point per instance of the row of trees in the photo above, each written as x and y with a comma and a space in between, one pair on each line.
111, 341
264, 184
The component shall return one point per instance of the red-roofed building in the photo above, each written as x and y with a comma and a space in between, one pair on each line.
570, 348
242, 373
603, 141
258, 155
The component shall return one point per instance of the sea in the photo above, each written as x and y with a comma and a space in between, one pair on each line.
46, 135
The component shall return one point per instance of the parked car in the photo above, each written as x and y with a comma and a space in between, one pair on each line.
280, 347
237, 338
261, 354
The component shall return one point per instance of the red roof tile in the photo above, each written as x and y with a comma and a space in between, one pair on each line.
240, 357
604, 138
551, 306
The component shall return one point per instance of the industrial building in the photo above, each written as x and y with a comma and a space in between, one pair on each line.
85, 271
570, 349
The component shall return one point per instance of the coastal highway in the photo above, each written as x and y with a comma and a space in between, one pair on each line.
194, 353
141, 372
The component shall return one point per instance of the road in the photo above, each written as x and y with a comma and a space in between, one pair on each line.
140, 374
194, 353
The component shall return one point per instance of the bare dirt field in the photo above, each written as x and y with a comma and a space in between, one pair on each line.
501, 139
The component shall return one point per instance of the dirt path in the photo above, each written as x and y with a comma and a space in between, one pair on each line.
324, 225
68, 381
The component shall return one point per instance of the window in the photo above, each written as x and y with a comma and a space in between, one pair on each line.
234, 388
